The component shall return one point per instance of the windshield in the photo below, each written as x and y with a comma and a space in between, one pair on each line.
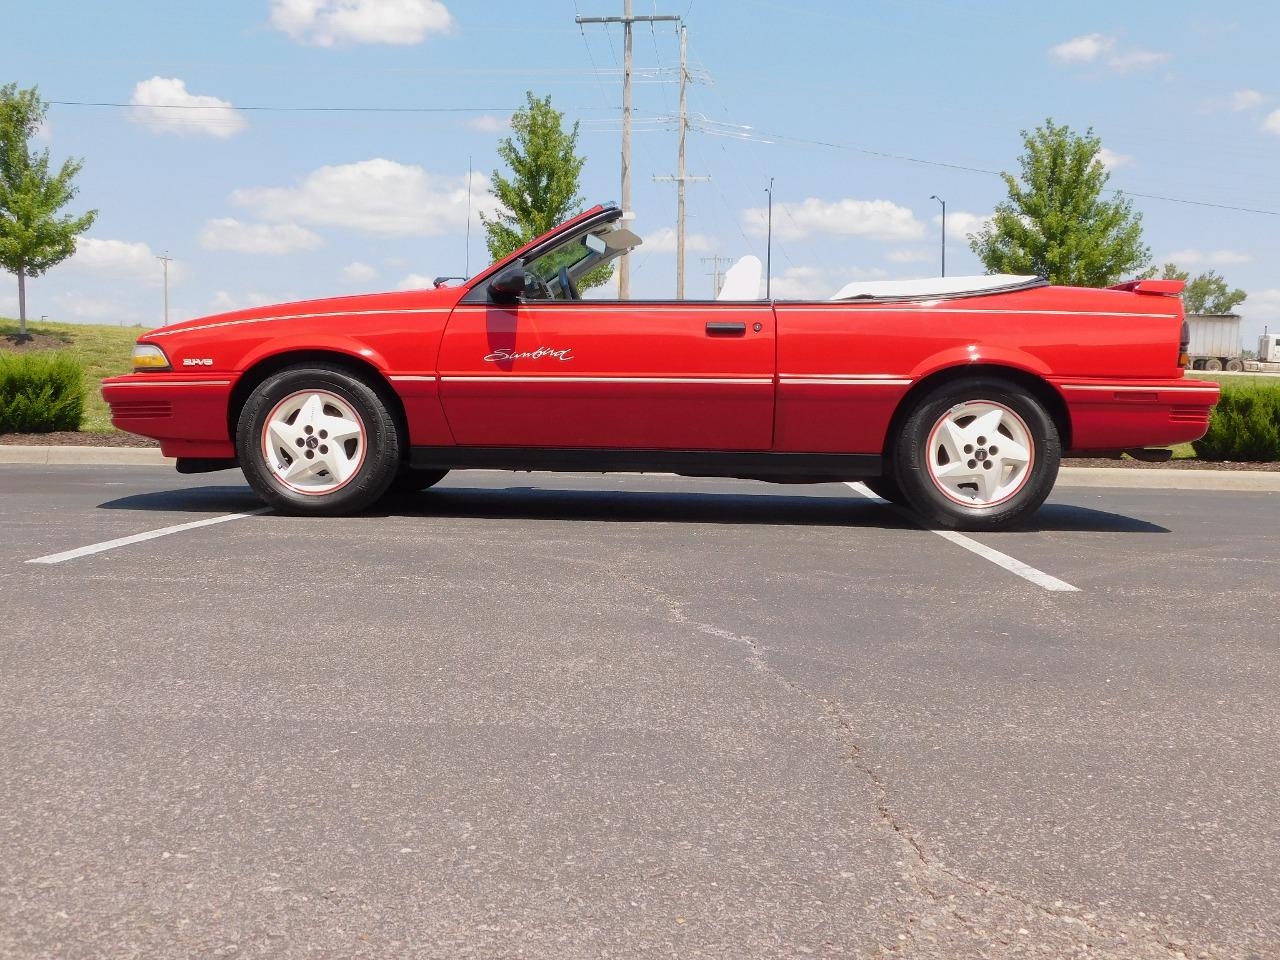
584, 259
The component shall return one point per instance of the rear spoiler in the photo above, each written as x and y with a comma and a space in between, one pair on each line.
1164, 288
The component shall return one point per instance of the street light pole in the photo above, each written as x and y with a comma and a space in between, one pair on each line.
165, 260
944, 231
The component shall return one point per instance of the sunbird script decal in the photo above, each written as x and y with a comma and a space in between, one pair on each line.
503, 354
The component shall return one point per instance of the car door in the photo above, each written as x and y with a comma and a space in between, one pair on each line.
674, 375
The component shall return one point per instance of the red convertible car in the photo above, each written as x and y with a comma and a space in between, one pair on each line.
955, 398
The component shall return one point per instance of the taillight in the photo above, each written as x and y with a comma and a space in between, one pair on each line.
1184, 346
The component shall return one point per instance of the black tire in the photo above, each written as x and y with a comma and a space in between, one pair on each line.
925, 496
382, 442
410, 481
886, 488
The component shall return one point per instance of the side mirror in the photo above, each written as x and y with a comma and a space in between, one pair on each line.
508, 285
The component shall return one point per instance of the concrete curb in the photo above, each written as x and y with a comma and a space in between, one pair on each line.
1245, 480
101, 456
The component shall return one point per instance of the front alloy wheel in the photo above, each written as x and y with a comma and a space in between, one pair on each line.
313, 442
318, 439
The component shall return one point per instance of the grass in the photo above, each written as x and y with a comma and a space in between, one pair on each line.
102, 350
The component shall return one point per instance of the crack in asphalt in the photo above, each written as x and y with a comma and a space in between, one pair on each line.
1128, 938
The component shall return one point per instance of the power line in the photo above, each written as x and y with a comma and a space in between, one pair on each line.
273, 109
703, 124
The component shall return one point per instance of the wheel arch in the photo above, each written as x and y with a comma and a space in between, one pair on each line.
358, 366
1054, 403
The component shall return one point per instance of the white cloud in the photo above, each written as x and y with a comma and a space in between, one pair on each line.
1262, 307
224, 302
911, 256
1272, 123
416, 281
961, 223
332, 23
1245, 100
1083, 49
163, 105
1135, 58
1113, 160
663, 240
122, 260
375, 196
1213, 258
227, 233
875, 219
1105, 48
488, 123
358, 272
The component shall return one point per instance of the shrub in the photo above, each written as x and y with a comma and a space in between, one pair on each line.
40, 393
1245, 425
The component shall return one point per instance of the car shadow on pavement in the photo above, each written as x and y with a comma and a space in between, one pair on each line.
222, 499
838, 509
1066, 517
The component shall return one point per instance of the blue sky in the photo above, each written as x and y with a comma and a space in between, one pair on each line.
260, 206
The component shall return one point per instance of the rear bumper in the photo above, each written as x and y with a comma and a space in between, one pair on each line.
188, 415
1119, 414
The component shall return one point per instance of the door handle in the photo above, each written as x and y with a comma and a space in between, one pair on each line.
726, 328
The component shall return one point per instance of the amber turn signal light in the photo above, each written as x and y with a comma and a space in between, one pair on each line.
147, 356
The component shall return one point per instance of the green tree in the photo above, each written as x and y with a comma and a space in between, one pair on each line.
33, 236
542, 189
1206, 293
1056, 222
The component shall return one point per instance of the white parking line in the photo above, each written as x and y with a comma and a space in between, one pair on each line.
140, 537
1003, 560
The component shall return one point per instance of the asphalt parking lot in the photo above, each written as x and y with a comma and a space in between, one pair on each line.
622, 716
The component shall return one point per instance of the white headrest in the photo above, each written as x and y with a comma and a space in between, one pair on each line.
742, 281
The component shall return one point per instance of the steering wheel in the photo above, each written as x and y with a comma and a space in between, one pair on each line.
535, 287
566, 285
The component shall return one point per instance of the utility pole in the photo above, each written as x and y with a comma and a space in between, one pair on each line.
165, 260
681, 177
716, 274
624, 264
768, 246
944, 231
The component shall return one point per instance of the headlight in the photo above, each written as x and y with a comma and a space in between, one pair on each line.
147, 356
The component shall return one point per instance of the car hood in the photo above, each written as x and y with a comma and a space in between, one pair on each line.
360, 308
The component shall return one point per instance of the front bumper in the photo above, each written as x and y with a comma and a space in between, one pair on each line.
1120, 414
187, 414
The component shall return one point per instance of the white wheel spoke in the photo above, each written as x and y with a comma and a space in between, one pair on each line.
284, 435
1011, 450
339, 430
987, 426
300, 469
953, 440
324, 436
312, 410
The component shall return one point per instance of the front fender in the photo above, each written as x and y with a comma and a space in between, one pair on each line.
311, 343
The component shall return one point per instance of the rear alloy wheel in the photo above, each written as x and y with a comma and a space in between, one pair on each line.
317, 440
977, 455
1213, 364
